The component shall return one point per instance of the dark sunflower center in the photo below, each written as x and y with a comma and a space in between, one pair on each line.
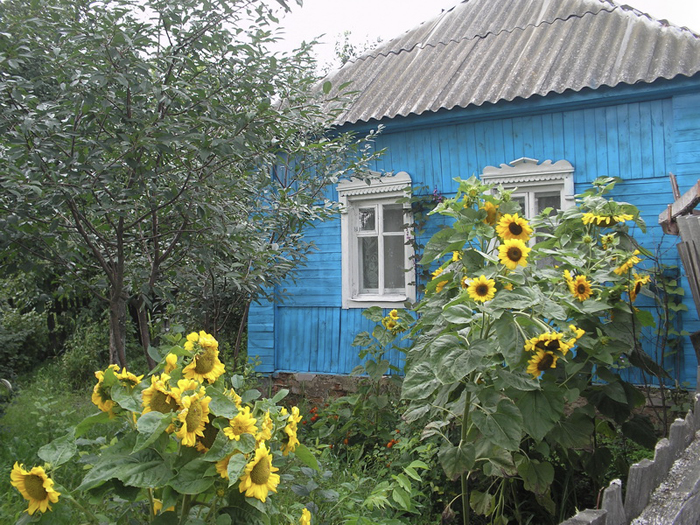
545, 362
553, 345
161, 402
34, 485
515, 228
210, 432
514, 253
194, 416
581, 288
541, 345
205, 362
261, 472
637, 288
482, 290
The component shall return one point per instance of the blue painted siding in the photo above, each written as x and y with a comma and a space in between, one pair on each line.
640, 141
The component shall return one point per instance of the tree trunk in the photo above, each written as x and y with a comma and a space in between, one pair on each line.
117, 328
144, 331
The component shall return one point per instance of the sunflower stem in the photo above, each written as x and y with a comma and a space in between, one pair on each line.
86, 511
465, 475
185, 509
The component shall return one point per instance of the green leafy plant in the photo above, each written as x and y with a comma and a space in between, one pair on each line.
518, 346
181, 447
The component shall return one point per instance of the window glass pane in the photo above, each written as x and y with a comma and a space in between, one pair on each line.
393, 218
547, 201
366, 219
393, 263
369, 264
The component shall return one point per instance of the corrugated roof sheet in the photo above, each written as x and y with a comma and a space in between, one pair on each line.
487, 51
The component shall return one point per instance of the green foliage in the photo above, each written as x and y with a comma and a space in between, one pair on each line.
176, 158
519, 345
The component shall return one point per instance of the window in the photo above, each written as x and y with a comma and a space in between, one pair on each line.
537, 186
375, 255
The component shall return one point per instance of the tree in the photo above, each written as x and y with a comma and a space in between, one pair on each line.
152, 144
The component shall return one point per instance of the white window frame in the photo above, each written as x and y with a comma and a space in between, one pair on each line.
354, 194
527, 177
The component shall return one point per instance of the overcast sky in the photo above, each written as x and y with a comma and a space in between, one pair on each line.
369, 19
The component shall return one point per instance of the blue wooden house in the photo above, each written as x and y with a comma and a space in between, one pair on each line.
542, 95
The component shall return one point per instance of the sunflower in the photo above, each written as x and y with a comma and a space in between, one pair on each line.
608, 241
511, 227
580, 287
549, 342
259, 476
437, 272
513, 252
482, 289
440, 286
628, 264
157, 397
205, 365
35, 486
606, 220
158, 507
540, 362
491, 213
305, 517
639, 281
243, 423
193, 416
394, 314
266, 428
578, 333
128, 379
231, 394
170, 363
389, 323
186, 387
291, 430
101, 393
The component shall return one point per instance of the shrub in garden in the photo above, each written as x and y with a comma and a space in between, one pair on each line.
519, 346
182, 447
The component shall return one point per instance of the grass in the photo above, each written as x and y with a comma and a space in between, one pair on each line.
41, 410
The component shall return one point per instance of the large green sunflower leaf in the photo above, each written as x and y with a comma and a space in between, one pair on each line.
306, 457
419, 382
456, 460
503, 427
195, 477
509, 339
236, 466
145, 474
222, 447
220, 404
452, 361
573, 432
59, 451
87, 423
458, 314
127, 398
540, 410
150, 426
537, 476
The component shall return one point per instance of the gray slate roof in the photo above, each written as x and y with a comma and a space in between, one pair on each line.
485, 51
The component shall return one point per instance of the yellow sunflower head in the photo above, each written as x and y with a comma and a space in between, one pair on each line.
128, 379
292, 440
637, 282
482, 289
389, 323
102, 395
628, 264
259, 478
580, 288
170, 363
193, 417
441, 285
394, 314
540, 362
266, 428
513, 252
205, 365
548, 342
233, 396
511, 227
187, 387
35, 486
157, 397
492, 215
305, 517
242, 423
